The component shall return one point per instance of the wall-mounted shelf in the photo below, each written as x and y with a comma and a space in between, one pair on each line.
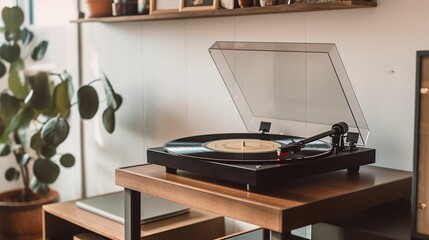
303, 7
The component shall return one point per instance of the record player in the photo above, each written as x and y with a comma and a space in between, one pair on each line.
299, 108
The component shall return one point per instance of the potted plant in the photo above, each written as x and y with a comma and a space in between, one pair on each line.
34, 109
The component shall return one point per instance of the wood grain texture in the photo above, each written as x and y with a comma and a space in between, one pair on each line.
350, 4
63, 220
299, 203
87, 236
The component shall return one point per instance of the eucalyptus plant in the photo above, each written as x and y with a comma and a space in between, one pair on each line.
35, 106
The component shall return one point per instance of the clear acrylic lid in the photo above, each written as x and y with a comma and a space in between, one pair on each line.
301, 88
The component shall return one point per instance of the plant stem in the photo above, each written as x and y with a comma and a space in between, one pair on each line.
57, 75
19, 152
95, 80
26, 180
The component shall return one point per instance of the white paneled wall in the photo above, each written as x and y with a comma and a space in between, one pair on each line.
115, 50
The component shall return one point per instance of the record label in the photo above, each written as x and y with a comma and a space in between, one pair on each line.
244, 145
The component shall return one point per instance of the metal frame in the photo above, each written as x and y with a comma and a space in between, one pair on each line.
415, 234
133, 227
132, 214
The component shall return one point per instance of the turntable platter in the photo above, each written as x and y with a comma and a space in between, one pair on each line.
244, 148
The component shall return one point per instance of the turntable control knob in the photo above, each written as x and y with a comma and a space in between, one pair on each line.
424, 90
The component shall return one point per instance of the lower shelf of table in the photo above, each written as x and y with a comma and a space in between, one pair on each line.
391, 221
64, 220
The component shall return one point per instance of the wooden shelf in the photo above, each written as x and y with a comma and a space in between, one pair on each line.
305, 7
64, 220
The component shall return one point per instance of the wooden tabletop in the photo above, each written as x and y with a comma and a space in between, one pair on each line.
298, 203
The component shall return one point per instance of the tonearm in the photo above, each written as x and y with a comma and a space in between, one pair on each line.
336, 133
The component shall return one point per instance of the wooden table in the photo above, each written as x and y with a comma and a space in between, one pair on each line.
297, 204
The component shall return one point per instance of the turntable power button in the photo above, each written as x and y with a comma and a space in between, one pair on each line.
258, 166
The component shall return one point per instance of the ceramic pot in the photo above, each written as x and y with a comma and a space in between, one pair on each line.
245, 3
99, 8
22, 220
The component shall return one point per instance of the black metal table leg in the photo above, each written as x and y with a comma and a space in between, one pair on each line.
280, 236
132, 214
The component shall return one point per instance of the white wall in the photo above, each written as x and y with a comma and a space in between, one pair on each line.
171, 88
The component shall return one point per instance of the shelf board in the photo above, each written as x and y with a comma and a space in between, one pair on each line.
286, 8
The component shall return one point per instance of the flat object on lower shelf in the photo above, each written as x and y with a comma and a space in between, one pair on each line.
111, 206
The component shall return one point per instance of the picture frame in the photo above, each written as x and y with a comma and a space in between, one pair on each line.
198, 5
420, 187
164, 6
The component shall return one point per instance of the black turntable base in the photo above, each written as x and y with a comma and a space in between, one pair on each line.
252, 159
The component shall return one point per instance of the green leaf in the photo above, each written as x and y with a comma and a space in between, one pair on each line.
13, 36
27, 36
87, 101
39, 51
22, 119
109, 119
4, 149
55, 131
40, 94
110, 93
13, 18
10, 52
19, 137
18, 84
62, 98
2, 69
48, 151
11, 174
9, 106
118, 101
36, 143
4, 138
17, 65
66, 77
45, 170
39, 187
67, 160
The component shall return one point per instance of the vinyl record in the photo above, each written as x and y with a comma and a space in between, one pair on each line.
244, 148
